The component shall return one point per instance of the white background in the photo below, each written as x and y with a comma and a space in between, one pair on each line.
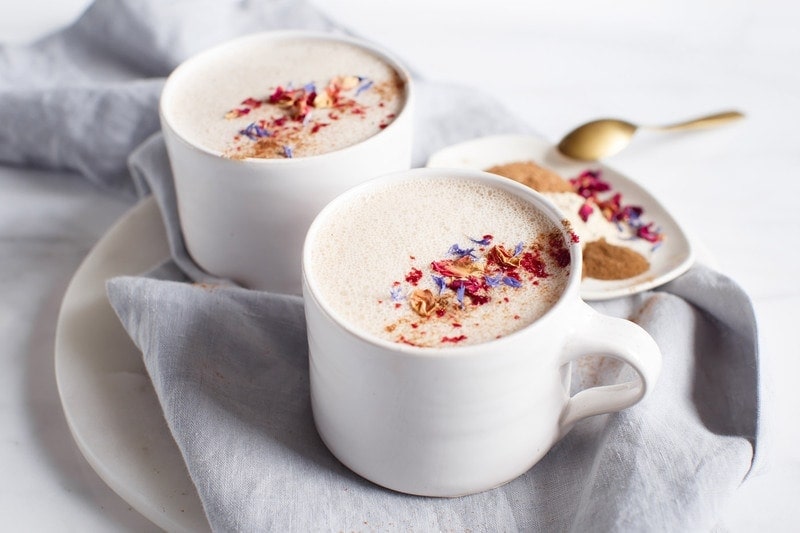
556, 64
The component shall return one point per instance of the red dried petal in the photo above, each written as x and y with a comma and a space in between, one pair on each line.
534, 264
585, 211
414, 276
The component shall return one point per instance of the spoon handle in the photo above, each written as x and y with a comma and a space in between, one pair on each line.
707, 121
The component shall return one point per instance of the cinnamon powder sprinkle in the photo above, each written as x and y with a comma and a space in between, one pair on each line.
529, 173
602, 260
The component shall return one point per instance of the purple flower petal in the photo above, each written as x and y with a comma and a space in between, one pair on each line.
440, 283
364, 86
396, 293
460, 294
493, 281
485, 241
461, 252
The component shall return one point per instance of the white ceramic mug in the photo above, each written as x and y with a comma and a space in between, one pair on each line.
462, 419
245, 219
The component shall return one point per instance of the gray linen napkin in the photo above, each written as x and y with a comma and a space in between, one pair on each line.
83, 98
229, 365
230, 369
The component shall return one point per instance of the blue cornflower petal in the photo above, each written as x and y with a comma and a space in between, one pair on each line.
287, 151
397, 294
461, 252
440, 283
493, 281
483, 242
253, 131
460, 294
363, 87
518, 249
310, 87
511, 282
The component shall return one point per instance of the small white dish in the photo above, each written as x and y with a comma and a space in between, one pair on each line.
673, 256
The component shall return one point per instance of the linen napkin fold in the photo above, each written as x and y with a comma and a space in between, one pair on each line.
230, 365
230, 368
83, 98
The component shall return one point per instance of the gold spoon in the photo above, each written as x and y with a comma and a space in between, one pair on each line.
605, 137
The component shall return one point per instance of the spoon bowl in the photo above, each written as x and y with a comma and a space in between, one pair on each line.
605, 137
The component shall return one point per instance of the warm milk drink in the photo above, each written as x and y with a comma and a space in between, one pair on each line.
436, 262
287, 98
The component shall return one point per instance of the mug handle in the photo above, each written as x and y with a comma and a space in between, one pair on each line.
598, 334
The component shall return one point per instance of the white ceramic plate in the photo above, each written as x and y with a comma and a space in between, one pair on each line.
672, 258
109, 402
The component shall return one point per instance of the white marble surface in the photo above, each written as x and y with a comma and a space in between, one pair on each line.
556, 64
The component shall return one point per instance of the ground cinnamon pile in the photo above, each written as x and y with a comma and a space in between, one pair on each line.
529, 173
602, 260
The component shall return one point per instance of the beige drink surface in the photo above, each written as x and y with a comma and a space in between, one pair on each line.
285, 98
439, 262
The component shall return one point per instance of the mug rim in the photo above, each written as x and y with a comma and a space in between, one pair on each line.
270, 35
541, 202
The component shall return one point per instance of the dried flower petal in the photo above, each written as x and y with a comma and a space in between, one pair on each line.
252, 102
280, 97
254, 131
533, 263
423, 302
236, 113
347, 82
486, 240
441, 284
585, 210
460, 294
461, 252
648, 233
454, 339
471, 285
413, 276
493, 281
323, 100
396, 293
364, 86
501, 257
588, 183
462, 267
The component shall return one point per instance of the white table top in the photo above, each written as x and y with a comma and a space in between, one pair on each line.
557, 65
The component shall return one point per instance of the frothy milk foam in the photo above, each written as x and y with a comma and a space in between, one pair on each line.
281, 98
438, 262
